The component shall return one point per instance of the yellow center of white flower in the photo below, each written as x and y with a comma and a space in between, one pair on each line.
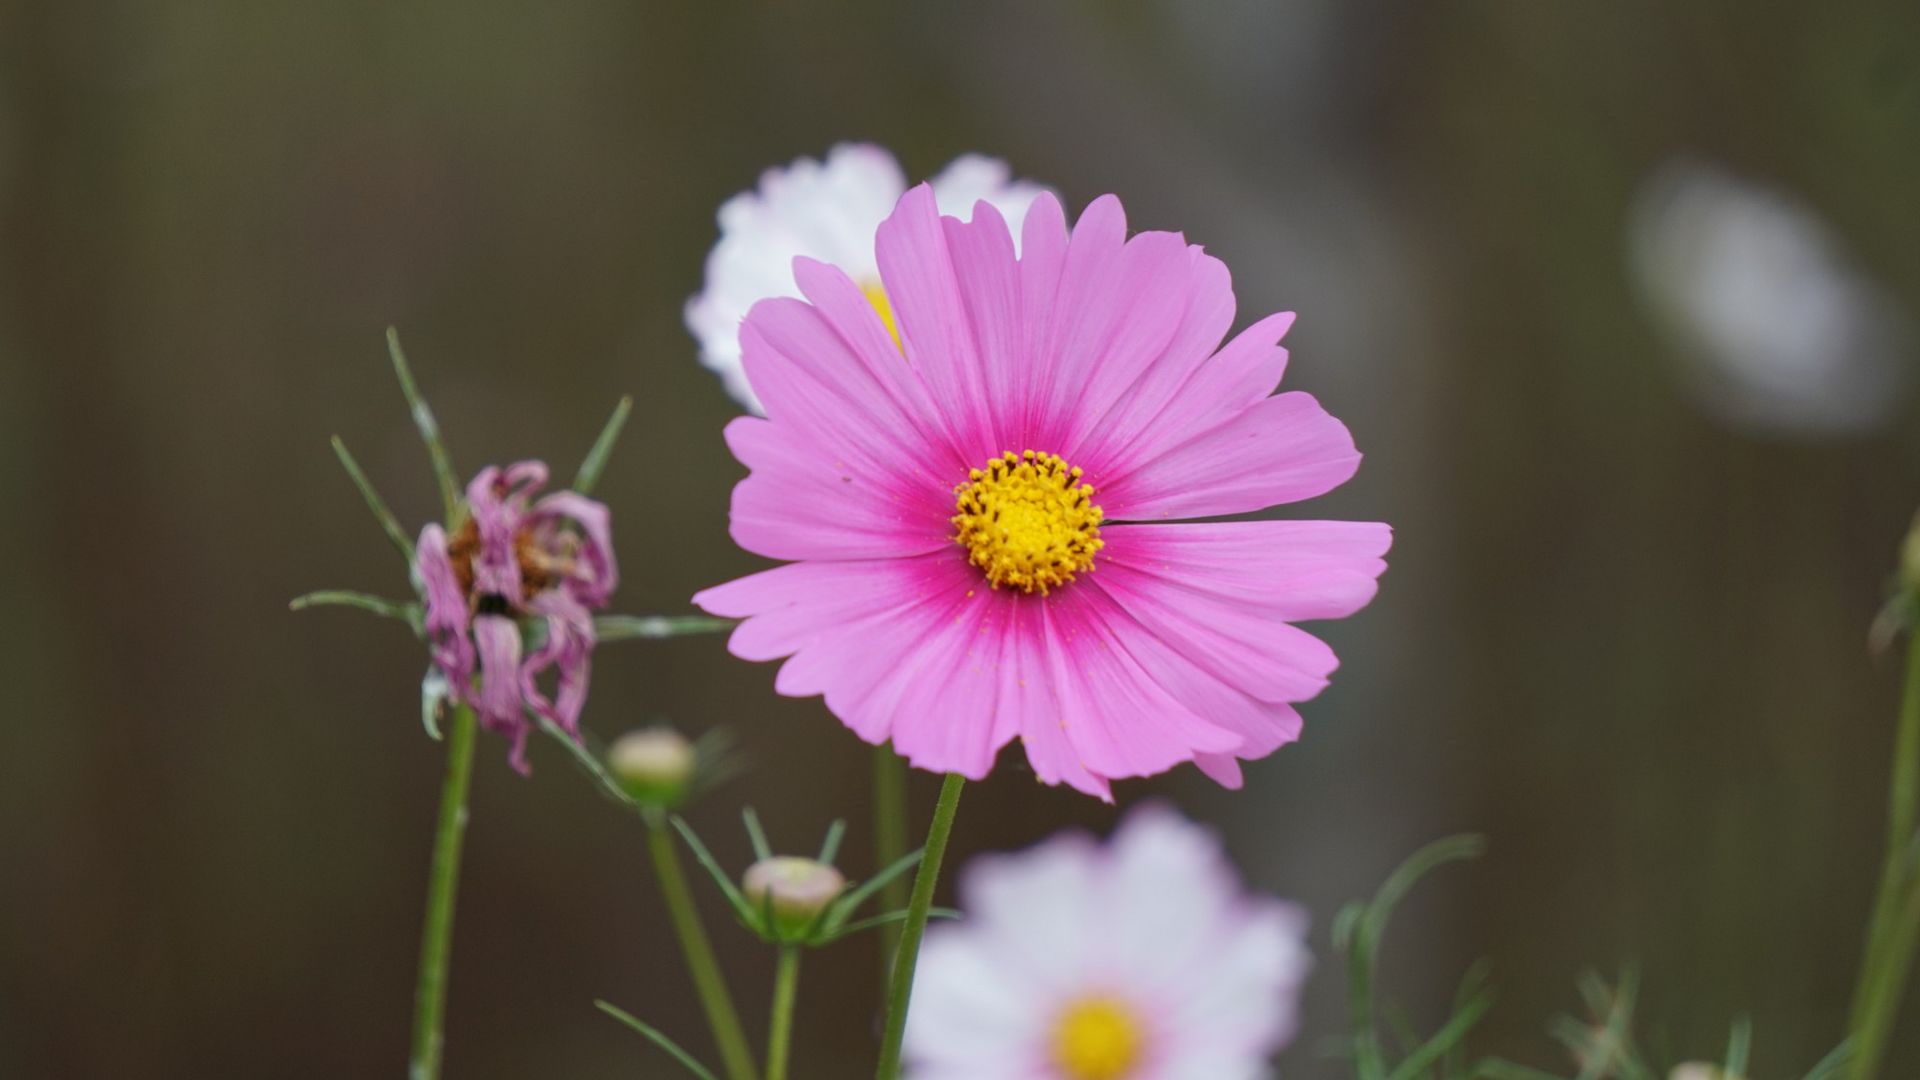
1027, 522
877, 296
1098, 1038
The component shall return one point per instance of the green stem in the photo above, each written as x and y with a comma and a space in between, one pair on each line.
786, 983
900, 993
890, 813
1896, 909
436, 937
708, 982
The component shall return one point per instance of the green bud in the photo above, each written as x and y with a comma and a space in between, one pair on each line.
654, 765
793, 891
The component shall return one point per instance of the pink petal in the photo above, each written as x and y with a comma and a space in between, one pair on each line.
987, 280
918, 273
1243, 373
1080, 301
1131, 411
1294, 569
497, 499
498, 702
1245, 646
851, 402
1117, 717
446, 618
1281, 450
595, 574
801, 504
1127, 319
568, 649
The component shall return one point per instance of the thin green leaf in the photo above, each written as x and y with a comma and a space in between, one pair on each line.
830, 847
429, 430
1473, 986
654, 627
1401, 1026
374, 502
1344, 923
586, 759
859, 894
1498, 1069
1360, 934
596, 460
755, 834
405, 610
1443, 1041
659, 1039
882, 920
1739, 1047
712, 866
1829, 1067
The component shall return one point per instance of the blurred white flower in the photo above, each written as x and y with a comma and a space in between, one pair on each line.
1142, 959
1779, 330
827, 211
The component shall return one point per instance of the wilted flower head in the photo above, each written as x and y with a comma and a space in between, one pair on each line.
827, 211
968, 568
1778, 327
1142, 959
517, 558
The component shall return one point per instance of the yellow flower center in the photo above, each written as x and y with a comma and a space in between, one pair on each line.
877, 296
1027, 522
1097, 1038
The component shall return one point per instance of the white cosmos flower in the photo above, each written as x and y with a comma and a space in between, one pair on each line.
1140, 959
1780, 330
827, 211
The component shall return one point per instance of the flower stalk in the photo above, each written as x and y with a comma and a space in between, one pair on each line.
890, 815
1895, 924
708, 982
907, 955
436, 938
786, 985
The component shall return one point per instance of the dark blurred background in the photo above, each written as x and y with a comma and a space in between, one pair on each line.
1616, 298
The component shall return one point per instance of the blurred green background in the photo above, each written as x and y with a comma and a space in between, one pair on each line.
1623, 633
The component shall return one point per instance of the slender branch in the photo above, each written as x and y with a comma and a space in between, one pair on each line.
658, 1038
436, 937
890, 814
429, 429
708, 982
406, 611
596, 460
375, 503
786, 984
900, 993
621, 627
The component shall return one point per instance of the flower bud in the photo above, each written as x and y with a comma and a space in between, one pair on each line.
794, 891
654, 765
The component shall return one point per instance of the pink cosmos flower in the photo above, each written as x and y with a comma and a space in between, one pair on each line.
516, 558
1142, 959
978, 528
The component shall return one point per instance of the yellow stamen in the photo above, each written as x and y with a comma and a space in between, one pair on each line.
877, 296
1097, 1038
1028, 522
